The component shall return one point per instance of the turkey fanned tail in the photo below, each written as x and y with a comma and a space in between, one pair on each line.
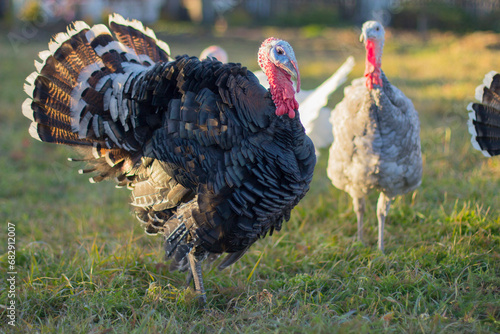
484, 117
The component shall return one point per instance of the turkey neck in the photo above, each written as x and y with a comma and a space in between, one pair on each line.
282, 91
373, 63
288, 132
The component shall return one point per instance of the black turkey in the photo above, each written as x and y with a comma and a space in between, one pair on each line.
213, 159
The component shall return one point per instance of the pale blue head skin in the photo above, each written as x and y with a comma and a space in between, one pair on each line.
281, 54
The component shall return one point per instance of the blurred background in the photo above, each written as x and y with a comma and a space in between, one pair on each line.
421, 15
436, 52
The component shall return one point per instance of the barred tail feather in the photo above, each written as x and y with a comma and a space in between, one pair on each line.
484, 126
76, 92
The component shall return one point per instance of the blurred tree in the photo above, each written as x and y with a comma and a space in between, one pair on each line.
4, 8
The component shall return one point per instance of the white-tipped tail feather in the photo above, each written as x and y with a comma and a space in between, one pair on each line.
140, 27
27, 111
483, 116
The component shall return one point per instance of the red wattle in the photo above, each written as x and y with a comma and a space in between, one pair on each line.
282, 91
372, 66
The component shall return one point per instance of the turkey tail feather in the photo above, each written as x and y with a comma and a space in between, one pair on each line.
484, 117
77, 92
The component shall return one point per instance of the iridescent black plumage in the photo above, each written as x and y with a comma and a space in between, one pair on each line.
209, 163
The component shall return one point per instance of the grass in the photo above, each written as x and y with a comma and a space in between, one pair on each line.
85, 266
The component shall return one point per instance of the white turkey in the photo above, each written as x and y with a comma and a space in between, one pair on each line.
314, 114
377, 137
484, 117
213, 159
215, 51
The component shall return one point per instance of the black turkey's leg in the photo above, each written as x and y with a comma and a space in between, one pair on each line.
195, 265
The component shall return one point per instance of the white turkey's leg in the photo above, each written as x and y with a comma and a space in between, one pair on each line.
359, 209
195, 266
383, 205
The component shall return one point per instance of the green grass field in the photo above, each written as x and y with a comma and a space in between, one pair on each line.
84, 264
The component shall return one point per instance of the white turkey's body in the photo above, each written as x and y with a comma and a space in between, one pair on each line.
377, 142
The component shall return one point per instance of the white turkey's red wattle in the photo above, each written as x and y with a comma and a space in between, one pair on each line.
373, 64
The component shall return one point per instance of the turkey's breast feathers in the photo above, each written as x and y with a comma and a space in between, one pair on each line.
376, 141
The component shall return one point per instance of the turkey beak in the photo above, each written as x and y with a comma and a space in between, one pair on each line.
292, 68
362, 37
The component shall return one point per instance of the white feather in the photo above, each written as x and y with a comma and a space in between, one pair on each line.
472, 114
57, 41
132, 56
473, 132
107, 98
118, 83
145, 58
30, 79
472, 129
90, 69
39, 66
133, 68
95, 152
98, 29
95, 125
28, 89
488, 78
76, 93
114, 45
164, 46
77, 104
108, 160
76, 112
124, 114
113, 108
78, 26
310, 109
479, 93
104, 80
33, 130
44, 55
29, 85
27, 111
84, 125
117, 18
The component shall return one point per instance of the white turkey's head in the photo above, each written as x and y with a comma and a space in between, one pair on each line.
215, 51
372, 30
373, 35
277, 60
